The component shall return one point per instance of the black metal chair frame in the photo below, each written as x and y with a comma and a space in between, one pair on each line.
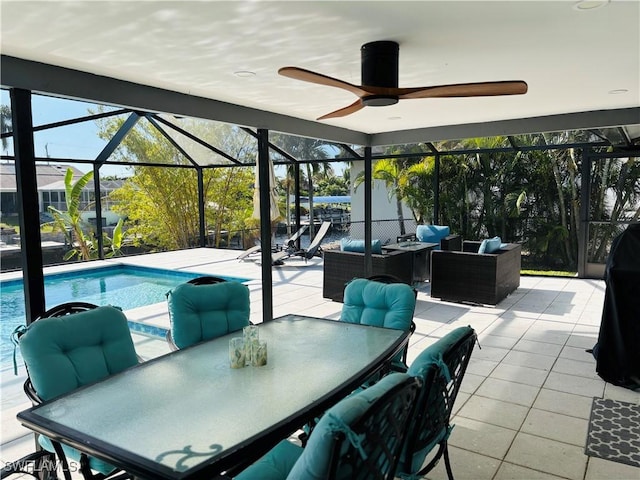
383, 433
61, 310
433, 412
33, 464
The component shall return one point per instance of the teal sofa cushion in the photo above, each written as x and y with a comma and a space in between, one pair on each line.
490, 245
428, 358
389, 305
354, 245
203, 312
64, 353
432, 233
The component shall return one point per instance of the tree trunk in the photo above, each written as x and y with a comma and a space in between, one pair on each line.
399, 212
311, 222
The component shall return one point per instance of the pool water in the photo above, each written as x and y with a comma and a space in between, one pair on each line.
123, 286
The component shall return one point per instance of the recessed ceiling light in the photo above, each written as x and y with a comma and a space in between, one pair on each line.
244, 73
618, 91
590, 4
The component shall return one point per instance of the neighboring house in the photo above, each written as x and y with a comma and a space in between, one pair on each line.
51, 191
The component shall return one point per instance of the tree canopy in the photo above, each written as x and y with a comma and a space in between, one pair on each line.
161, 203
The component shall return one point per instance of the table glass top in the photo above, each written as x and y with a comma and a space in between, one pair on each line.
411, 245
185, 407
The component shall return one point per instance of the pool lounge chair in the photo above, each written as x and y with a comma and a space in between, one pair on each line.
312, 250
289, 244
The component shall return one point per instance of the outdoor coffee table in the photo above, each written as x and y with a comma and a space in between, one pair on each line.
188, 415
421, 252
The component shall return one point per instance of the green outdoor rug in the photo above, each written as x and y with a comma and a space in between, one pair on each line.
614, 431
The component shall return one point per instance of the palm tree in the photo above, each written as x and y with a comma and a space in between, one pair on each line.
287, 184
417, 185
391, 172
5, 123
306, 149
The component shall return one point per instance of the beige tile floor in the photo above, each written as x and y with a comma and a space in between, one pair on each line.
524, 406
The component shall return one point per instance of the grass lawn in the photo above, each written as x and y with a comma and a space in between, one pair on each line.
549, 273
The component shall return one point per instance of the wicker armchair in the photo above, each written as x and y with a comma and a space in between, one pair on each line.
341, 267
468, 276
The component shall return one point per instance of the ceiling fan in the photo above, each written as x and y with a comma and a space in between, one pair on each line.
380, 82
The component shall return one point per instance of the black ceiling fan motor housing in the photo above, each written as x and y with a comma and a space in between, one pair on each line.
380, 64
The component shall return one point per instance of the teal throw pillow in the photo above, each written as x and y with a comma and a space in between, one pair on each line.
431, 233
490, 245
354, 245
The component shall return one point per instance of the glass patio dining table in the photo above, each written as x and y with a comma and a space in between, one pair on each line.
188, 415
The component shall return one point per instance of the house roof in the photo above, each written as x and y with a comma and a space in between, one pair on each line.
49, 177
219, 60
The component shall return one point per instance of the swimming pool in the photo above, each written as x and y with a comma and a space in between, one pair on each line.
123, 286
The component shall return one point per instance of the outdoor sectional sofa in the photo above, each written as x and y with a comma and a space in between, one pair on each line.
468, 276
340, 267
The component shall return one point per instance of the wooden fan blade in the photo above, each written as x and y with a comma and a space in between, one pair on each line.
482, 89
343, 112
313, 77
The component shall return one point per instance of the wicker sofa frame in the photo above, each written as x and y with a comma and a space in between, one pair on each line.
468, 276
341, 267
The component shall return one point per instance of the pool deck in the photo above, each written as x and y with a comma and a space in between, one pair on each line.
525, 402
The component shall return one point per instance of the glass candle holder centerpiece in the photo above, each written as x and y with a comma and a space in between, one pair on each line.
237, 352
251, 336
259, 354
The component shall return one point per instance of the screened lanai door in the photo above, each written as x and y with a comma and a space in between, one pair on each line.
614, 203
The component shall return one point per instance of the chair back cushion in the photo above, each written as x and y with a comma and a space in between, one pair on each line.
389, 305
64, 353
203, 312
353, 422
441, 367
431, 233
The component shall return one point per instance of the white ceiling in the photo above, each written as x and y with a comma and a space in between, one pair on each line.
572, 59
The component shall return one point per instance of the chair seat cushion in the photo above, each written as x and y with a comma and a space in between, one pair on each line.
275, 465
73, 454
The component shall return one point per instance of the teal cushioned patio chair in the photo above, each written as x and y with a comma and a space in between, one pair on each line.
381, 302
430, 426
69, 346
205, 308
358, 438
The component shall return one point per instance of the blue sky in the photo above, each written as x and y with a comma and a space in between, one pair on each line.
79, 141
